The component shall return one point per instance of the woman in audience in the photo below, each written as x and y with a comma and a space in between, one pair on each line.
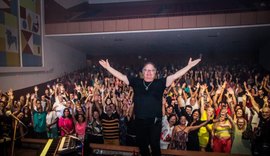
193, 138
180, 134
221, 133
168, 123
80, 125
51, 121
94, 128
65, 123
240, 145
206, 111
39, 120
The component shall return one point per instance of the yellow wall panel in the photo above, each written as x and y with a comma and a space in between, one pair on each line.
2, 44
11, 20
29, 4
2, 30
13, 59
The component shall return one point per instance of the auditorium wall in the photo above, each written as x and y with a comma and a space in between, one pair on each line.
58, 60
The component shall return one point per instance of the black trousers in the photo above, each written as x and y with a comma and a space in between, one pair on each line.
148, 133
261, 149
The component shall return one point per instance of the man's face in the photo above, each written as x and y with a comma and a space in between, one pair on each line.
149, 72
192, 101
188, 110
260, 92
43, 97
108, 109
239, 112
169, 110
266, 112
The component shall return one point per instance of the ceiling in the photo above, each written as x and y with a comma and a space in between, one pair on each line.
229, 40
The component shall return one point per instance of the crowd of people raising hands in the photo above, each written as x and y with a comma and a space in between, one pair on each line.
210, 108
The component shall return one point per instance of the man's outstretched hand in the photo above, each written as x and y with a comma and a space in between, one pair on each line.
193, 63
104, 64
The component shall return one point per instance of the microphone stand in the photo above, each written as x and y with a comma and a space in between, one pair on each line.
14, 137
15, 131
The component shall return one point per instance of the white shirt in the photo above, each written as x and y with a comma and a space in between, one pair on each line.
166, 132
59, 109
50, 118
255, 119
195, 106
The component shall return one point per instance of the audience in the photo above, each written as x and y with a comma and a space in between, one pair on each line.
208, 109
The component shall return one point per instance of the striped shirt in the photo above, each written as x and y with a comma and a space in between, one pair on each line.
110, 126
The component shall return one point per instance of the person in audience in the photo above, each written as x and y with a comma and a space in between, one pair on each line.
221, 140
168, 123
80, 125
261, 142
51, 123
59, 106
240, 145
180, 134
94, 130
193, 138
204, 133
65, 123
39, 119
110, 125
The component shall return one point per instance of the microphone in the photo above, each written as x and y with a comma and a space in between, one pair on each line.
8, 113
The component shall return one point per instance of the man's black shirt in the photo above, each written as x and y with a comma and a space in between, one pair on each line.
148, 103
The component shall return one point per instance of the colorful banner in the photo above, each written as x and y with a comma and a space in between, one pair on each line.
20, 33
30, 25
9, 34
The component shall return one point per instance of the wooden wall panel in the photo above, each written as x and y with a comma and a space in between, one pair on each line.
217, 20
110, 25
157, 23
203, 21
175, 22
162, 23
189, 22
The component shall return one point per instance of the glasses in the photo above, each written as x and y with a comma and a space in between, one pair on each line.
149, 70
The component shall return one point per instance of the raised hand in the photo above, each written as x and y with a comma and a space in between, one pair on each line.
230, 91
265, 99
180, 91
244, 97
104, 64
35, 88
10, 92
27, 95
